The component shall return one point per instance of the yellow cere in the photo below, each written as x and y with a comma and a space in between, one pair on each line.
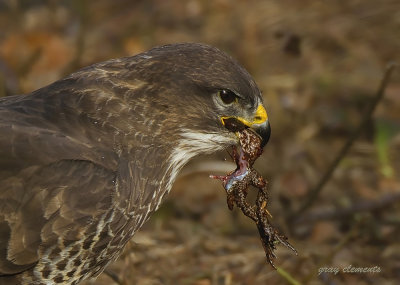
259, 118
261, 115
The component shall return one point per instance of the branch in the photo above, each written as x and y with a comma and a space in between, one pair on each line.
313, 194
363, 206
113, 276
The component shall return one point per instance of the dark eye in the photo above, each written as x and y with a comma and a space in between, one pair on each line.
227, 96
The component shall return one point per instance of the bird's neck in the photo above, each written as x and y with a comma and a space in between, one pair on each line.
146, 176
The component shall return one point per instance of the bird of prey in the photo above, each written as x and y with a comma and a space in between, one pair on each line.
87, 159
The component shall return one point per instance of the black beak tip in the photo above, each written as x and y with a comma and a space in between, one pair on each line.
264, 131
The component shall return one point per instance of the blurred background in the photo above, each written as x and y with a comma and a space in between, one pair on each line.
318, 63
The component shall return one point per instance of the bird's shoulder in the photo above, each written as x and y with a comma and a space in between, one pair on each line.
29, 138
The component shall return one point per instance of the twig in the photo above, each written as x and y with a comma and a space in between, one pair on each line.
289, 278
363, 206
113, 276
313, 194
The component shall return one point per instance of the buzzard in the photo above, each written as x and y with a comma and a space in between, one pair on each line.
86, 160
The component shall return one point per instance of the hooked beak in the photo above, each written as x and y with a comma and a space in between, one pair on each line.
264, 131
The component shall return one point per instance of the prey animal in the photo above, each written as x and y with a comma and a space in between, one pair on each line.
237, 185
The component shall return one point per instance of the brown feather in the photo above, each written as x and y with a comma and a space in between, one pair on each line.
87, 159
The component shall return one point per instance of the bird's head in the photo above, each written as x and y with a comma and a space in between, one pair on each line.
207, 97
184, 99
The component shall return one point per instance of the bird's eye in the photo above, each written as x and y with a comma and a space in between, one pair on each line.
227, 96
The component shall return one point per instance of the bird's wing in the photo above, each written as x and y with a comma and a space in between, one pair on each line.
52, 188
55, 204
